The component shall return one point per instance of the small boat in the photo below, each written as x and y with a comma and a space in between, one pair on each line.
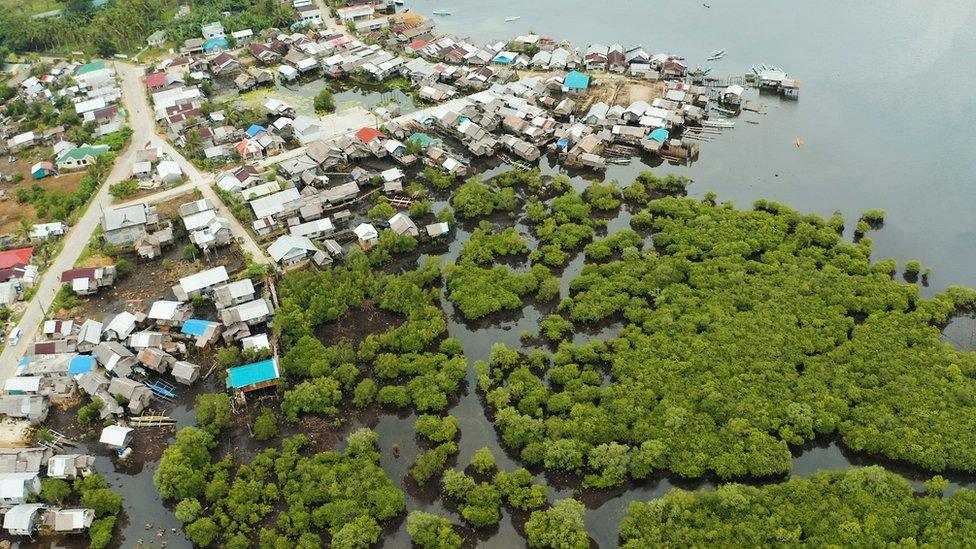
717, 53
441, 12
707, 70
398, 2
512, 18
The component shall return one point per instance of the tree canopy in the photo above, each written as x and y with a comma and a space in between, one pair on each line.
867, 507
746, 332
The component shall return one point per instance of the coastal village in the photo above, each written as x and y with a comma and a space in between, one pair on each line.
236, 186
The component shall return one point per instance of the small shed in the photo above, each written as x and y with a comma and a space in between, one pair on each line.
367, 235
116, 436
437, 229
15, 488
41, 170
169, 172
401, 224
185, 372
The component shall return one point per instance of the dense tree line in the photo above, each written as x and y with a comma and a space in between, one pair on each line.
123, 25
338, 496
407, 368
867, 507
747, 332
90, 492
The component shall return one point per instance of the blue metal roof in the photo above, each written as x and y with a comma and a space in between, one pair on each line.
251, 374
254, 129
215, 43
196, 327
660, 135
81, 364
576, 80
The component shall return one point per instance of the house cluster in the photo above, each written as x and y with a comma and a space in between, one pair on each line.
206, 228
154, 168
21, 470
94, 94
240, 308
17, 273
137, 226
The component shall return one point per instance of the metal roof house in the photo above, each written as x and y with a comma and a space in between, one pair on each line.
200, 283
70, 466
185, 372
251, 377
68, 521
22, 520
116, 436
125, 225
15, 488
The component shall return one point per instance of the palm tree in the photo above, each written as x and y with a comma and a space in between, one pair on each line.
24, 231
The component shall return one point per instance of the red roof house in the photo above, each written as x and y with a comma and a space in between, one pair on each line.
156, 80
20, 256
367, 135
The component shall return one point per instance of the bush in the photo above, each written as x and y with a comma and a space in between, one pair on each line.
54, 490
122, 268
100, 533
430, 463
88, 413
913, 267
188, 510
874, 216
324, 102
364, 394
124, 189
436, 429
483, 461
266, 425
202, 531
429, 531
213, 412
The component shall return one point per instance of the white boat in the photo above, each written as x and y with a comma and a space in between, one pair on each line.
441, 12
398, 2
512, 18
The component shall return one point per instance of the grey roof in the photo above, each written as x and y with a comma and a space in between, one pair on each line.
124, 217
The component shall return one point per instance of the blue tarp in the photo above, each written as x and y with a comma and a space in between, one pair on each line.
503, 59
196, 327
576, 80
81, 364
239, 377
216, 43
255, 129
660, 135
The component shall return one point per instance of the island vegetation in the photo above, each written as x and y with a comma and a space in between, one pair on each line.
867, 507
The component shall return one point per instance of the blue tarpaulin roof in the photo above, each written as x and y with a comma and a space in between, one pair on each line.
503, 58
81, 364
215, 43
254, 129
239, 377
196, 327
660, 135
576, 80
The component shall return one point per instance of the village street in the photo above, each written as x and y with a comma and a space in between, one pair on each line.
142, 122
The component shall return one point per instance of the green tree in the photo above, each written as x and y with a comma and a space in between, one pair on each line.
266, 425
203, 531
429, 531
188, 510
324, 102
558, 527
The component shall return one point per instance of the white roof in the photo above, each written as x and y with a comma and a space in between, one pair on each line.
124, 217
91, 332
289, 246
287, 70
12, 485
195, 221
91, 105
142, 167
259, 341
122, 324
239, 288
257, 191
204, 279
437, 229
242, 34
163, 310
274, 204
392, 174
114, 435
311, 227
168, 167
365, 231
26, 384
19, 517
252, 309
